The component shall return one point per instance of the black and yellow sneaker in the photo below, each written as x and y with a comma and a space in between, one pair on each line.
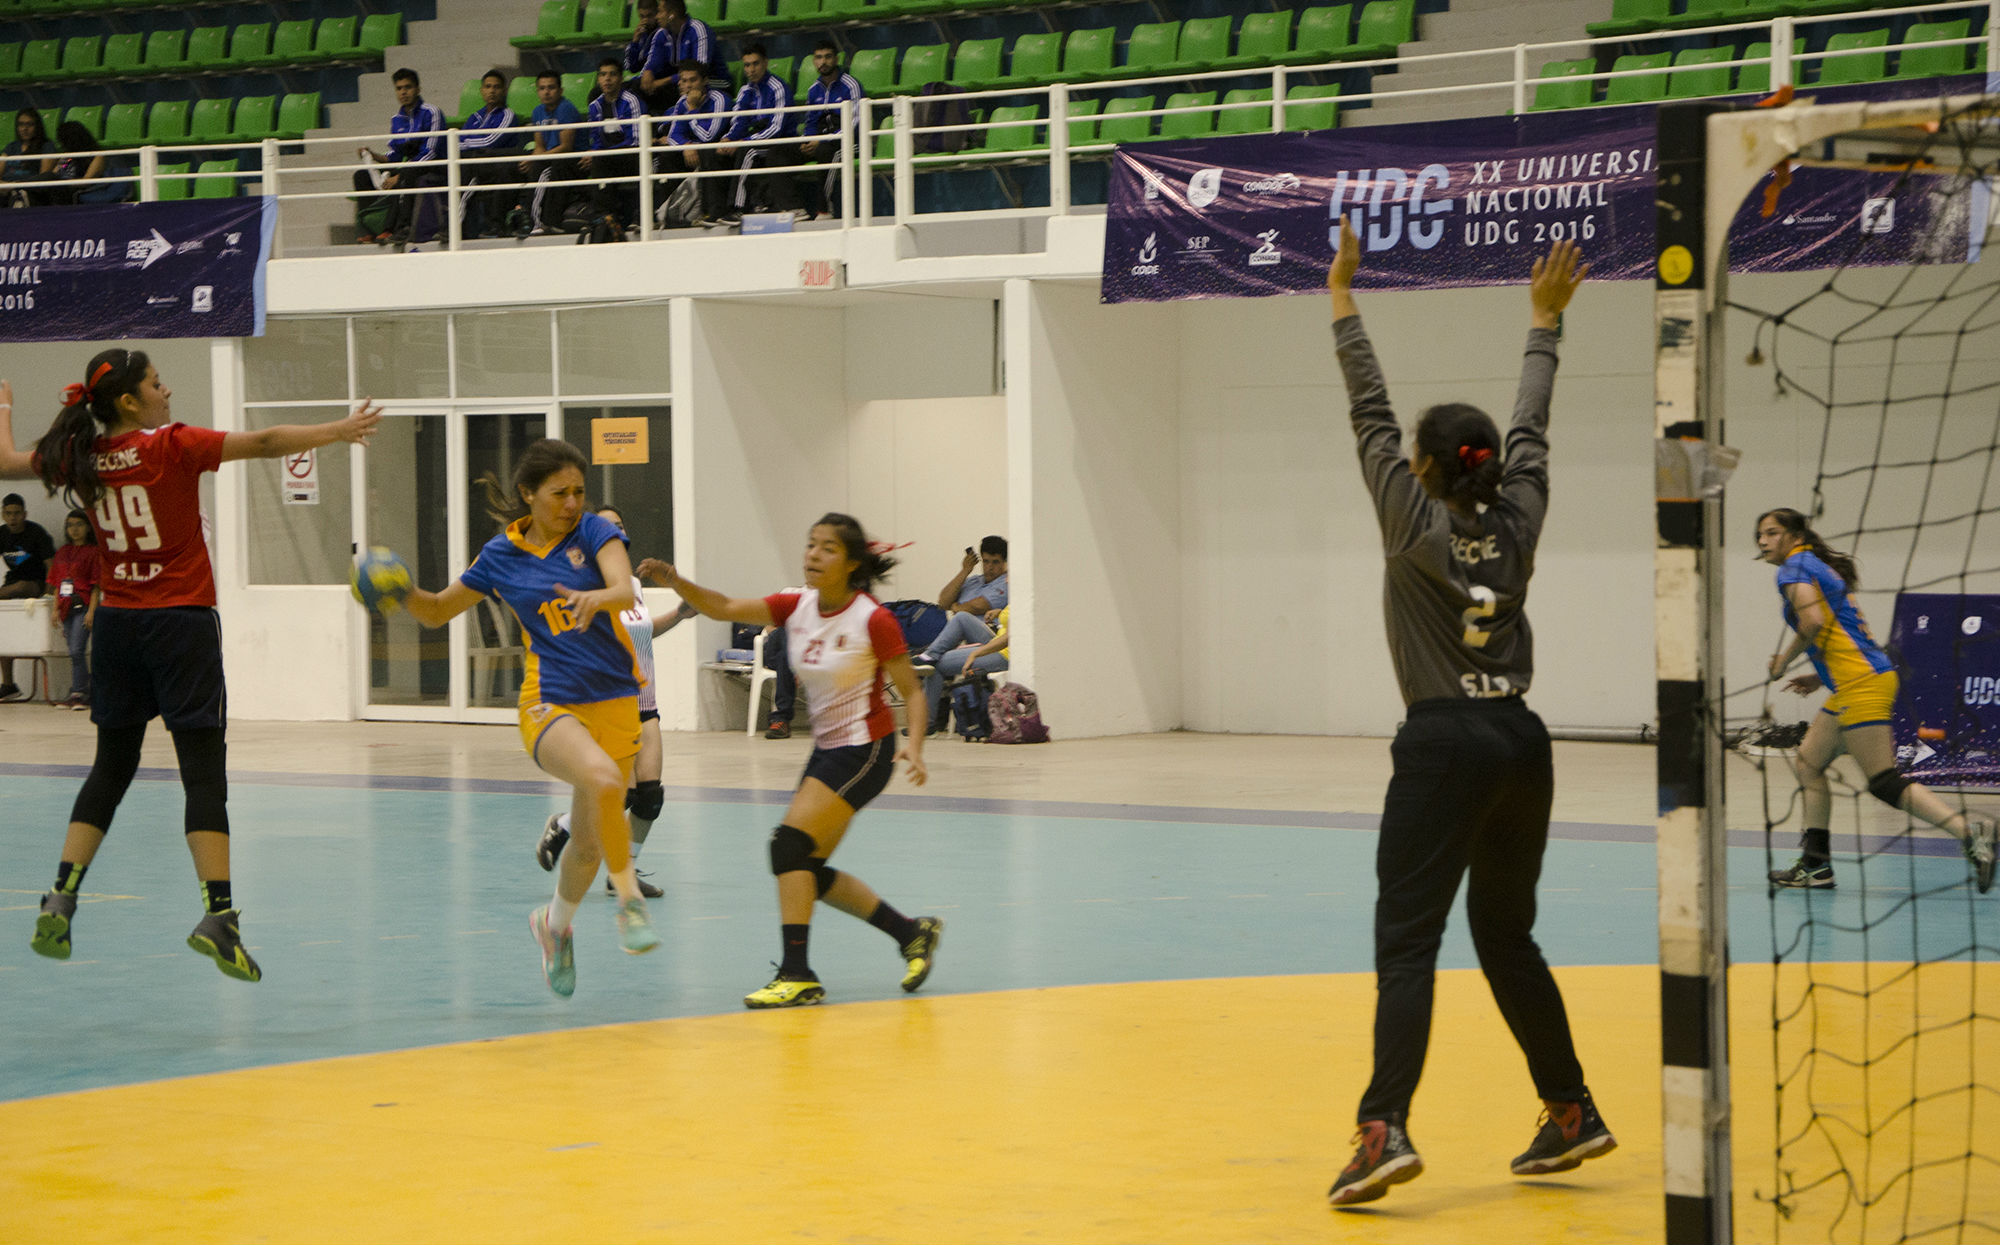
1801, 876
220, 939
1981, 834
786, 992
920, 953
52, 926
1570, 1133
1383, 1157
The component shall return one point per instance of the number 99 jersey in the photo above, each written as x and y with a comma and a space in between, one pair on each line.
148, 520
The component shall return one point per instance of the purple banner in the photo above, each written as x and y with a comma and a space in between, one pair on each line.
1947, 718
1475, 202
182, 269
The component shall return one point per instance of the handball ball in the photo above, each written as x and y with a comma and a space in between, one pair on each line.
380, 580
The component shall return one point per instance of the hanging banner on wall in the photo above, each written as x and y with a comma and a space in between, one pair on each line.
1474, 202
97, 273
1947, 718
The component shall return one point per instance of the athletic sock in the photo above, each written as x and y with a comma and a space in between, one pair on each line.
216, 896
626, 883
69, 877
561, 912
795, 963
893, 923
1817, 848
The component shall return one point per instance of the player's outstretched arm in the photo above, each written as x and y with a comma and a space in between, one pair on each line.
1553, 282
283, 439
14, 464
1340, 274
435, 609
708, 601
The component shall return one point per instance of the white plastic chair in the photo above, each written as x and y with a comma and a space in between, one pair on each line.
759, 676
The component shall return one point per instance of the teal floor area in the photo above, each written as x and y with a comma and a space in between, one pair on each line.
388, 918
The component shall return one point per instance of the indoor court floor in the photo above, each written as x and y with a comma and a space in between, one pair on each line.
1149, 1019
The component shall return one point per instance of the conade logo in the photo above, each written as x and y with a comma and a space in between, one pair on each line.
1276, 184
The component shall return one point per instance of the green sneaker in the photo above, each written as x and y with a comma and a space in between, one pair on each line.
635, 928
52, 926
920, 953
558, 953
219, 937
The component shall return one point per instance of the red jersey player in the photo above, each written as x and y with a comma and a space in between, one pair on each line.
157, 650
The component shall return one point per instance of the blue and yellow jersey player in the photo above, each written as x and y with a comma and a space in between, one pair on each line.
566, 574
1815, 583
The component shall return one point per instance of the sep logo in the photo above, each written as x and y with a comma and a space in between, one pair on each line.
1389, 207
1149, 257
1204, 187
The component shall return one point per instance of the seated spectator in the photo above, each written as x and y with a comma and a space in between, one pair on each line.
26, 156
982, 593
614, 147
699, 116
649, 60
26, 548
490, 142
784, 684
84, 162
77, 573
540, 210
418, 146
690, 40
757, 134
833, 87
986, 657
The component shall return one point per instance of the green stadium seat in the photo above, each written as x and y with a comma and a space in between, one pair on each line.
922, 65
785, 69
1932, 62
1245, 120
173, 183
1152, 47
7, 116
743, 14
1189, 124
216, 187
976, 62
1644, 88
521, 96
1706, 13
875, 70
576, 88
166, 51
167, 123
1383, 28
1083, 121
82, 57
10, 64
1118, 127
41, 60
291, 44
795, 12
1824, 8
469, 102
209, 122
1087, 54
123, 55
124, 125
1843, 70
556, 24
1263, 39
1033, 59
379, 33
1563, 85
604, 20
1312, 107
249, 44
1631, 17
709, 11
1013, 137
1324, 34
1756, 77
256, 118
335, 38
208, 47
845, 10
89, 116
1696, 74
1204, 46
298, 115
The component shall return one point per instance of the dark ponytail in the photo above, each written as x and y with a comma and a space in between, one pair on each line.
1465, 446
871, 561
1797, 526
66, 456
537, 463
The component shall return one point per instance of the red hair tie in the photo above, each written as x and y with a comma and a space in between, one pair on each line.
74, 395
1471, 456
880, 547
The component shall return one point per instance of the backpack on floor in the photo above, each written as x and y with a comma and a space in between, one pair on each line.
968, 708
1015, 714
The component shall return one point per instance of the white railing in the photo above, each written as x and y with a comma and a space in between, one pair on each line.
290, 171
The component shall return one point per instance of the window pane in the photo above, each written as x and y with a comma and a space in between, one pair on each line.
399, 357
642, 492
296, 360
294, 542
408, 665
503, 354
614, 350
493, 444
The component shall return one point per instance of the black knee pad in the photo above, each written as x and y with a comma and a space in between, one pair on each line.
110, 774
824, 875
204, 759
1888, 787
645, 801
791, 850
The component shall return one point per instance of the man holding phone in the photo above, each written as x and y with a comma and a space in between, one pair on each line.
980, 587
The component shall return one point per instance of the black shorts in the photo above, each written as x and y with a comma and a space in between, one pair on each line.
165, 664
856, 773
648, 715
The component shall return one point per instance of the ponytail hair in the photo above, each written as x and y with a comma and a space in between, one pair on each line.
537, 463
66, 457
871, 558
1797, 526
1464, 443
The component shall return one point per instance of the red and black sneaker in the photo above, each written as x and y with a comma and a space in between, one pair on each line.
1570, 1133
1384, 1157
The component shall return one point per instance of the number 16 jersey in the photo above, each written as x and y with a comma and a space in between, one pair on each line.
148, 521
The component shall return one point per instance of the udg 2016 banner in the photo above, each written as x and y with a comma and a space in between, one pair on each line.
1947, 718
182, 269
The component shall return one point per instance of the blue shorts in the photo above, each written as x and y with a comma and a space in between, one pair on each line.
856, 773
164, 663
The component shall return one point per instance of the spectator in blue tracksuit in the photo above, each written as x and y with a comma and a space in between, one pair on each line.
699, 116
490, 143
758, 137
651, 45
542, 208
614, 144
418, 143
833, 87
690, 39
